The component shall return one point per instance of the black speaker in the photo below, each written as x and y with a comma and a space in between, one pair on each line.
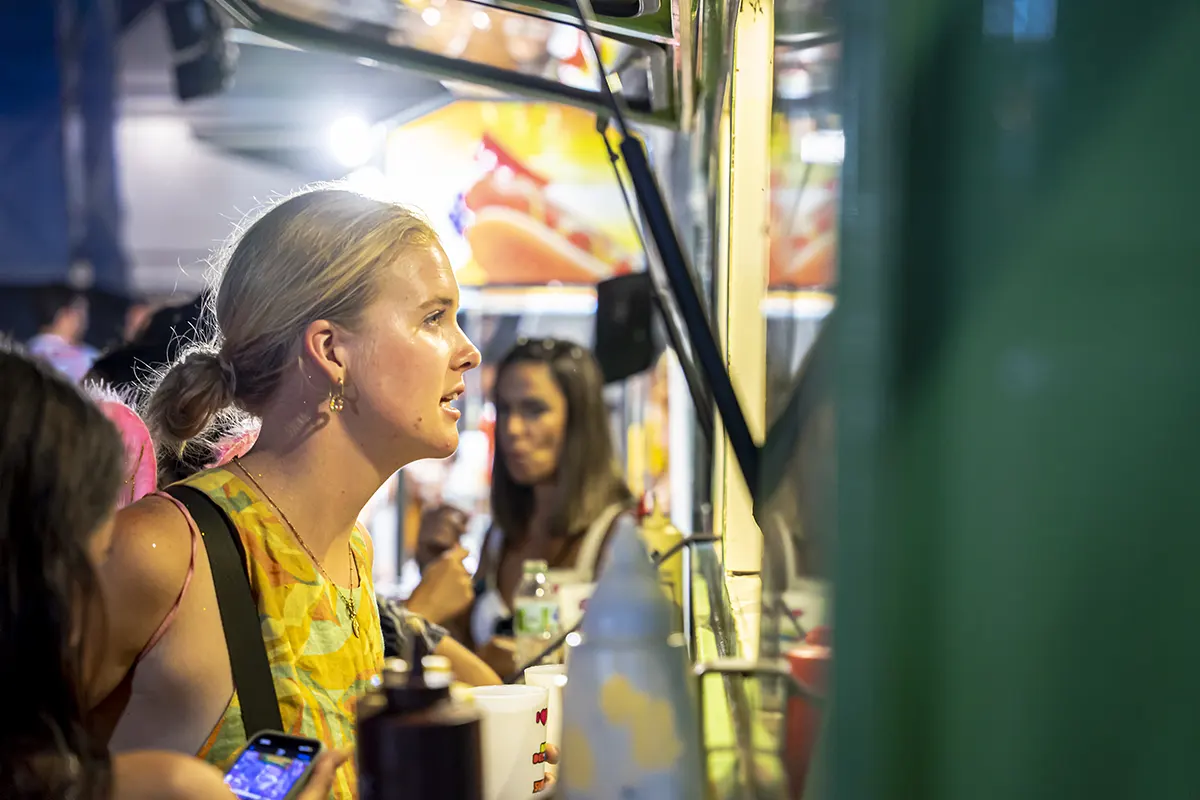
627, 341
204, 59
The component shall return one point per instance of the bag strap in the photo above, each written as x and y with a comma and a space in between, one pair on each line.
594, 540
252, 679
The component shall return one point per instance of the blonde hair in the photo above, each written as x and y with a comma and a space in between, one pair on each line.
315, 255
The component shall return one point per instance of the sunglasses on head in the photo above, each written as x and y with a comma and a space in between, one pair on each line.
545, 349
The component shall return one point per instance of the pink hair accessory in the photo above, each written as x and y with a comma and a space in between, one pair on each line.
235, 446
141, 467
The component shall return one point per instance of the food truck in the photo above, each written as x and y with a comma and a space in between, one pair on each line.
890, 248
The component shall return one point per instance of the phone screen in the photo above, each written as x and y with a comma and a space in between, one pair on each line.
271, 766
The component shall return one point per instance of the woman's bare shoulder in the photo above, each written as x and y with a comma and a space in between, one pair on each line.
151, 546
141, 576
152, 775
154, 511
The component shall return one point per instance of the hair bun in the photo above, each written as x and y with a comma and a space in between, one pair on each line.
228, 374
191, 393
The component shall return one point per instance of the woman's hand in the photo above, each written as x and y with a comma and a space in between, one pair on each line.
445, 591
440, 530
320, 782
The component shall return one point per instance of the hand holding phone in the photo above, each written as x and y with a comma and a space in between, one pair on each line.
320, 780
275, 766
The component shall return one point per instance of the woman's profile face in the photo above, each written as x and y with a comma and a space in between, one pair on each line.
409, 360
531, 422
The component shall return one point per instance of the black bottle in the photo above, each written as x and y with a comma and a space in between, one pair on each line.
414, 741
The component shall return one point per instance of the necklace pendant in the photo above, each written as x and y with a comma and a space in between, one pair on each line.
352, 612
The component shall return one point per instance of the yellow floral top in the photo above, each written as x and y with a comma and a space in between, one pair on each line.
320, 667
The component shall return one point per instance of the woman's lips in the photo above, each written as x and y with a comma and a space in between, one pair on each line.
448, 400
521, 463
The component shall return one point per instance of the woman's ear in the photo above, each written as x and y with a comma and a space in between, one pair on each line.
326, 349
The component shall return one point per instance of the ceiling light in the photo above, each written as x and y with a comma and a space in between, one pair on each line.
352, 141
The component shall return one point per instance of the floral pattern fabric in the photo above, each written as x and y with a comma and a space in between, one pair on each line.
320, 667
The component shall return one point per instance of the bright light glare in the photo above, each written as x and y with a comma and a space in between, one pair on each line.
370, 181
352, 141
481, 20
431, 16
823, 147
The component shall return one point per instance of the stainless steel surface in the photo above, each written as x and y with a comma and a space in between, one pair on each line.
739, 679
516, 51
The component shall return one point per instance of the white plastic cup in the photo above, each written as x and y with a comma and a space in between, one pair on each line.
552, 678
514, 740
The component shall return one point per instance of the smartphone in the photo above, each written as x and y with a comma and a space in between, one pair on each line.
273, 766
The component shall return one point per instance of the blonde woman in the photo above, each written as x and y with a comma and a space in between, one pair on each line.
336, 326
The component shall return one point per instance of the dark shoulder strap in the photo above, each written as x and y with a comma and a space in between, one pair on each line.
239, 613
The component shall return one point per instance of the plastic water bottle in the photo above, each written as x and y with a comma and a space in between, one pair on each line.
630, 725
535, 612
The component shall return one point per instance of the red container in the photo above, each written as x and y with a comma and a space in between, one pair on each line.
810, 663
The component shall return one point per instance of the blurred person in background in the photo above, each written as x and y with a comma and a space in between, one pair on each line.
557, 490
61, 464
136, 318
130, 367
62, 322
61, 205
335, 325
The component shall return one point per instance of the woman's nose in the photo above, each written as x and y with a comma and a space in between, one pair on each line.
513, 426
471, 357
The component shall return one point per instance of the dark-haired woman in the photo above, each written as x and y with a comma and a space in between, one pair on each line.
61, 465
557, 490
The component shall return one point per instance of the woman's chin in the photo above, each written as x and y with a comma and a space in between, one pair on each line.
446, 448
526, 480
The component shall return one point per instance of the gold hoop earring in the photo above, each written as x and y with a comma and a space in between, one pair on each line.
337, 397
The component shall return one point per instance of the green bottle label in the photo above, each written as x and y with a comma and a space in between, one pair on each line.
536, 617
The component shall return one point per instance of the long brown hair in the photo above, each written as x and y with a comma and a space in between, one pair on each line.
60, 470
588, 479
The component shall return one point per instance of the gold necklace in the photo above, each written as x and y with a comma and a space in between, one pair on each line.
351, 608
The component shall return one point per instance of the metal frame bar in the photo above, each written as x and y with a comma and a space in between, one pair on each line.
276, 25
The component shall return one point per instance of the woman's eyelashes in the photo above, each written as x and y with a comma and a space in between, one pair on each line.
533, 410
436, 317
527, 411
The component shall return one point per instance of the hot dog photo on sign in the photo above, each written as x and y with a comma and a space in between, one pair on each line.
526, 192
518, 235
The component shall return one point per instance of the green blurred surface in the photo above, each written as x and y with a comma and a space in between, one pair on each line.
1019, 379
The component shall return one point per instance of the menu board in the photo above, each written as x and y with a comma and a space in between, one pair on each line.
523, 194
